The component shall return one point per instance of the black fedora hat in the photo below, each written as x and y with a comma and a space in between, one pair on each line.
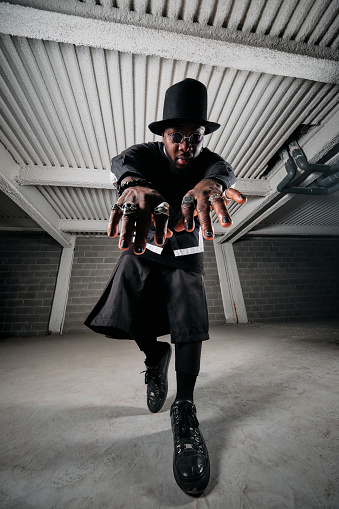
185, 103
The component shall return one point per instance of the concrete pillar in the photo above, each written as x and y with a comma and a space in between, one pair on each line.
57, 318
231, 291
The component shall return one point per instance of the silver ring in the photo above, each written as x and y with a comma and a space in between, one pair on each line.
188, 199
128, 208
216, 196
115, 207
225, 197
162, 208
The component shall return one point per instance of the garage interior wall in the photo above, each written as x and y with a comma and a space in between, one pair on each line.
281, 279
28, 272
29, 268
94, 261
80, 82
287, 278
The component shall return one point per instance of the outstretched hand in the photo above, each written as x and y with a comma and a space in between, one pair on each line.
145, 200
198, 202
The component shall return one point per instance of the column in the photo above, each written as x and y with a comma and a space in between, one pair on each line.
57, 318
231, 291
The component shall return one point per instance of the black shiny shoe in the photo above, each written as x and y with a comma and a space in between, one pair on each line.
191, 466
157, 382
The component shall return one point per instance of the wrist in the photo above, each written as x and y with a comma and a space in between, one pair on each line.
132, 182
217, 181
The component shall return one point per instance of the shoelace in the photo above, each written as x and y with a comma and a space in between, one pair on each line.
151, 374
185, 418
187, 429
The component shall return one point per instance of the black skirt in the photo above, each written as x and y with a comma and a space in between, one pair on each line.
144, 299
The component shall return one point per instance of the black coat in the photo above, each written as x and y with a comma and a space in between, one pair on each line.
151, 162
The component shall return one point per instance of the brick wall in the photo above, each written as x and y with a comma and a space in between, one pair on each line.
94, 261
281, 278
28, 271
213, 293
289, 278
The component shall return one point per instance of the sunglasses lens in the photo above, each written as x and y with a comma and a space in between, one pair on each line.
195, 138
176, 137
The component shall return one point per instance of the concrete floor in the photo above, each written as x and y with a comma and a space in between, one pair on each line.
76, 433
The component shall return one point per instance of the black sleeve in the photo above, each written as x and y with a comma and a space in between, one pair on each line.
132, 161
219, 169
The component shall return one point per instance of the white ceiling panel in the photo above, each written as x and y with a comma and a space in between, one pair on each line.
68, 108
79, 203
88, 104
308, 210
303, 215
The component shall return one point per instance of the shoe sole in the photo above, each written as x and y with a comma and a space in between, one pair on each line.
169, 355
196, 486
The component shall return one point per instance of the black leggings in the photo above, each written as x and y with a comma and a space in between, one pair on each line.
187, 355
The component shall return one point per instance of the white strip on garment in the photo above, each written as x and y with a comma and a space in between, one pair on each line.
155, 249
191, 250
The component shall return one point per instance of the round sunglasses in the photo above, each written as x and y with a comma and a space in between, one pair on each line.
177, 138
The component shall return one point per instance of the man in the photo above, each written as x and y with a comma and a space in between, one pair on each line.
166, 191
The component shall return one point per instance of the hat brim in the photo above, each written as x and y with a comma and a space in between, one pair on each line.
161, 125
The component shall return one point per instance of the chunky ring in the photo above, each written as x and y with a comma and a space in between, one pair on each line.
115, 207
188, 199
162, 208
128, 208
216, 196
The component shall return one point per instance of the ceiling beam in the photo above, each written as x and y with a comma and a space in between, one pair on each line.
315, 144
29, 199
100, 226
83, 177
70, 177
299, 230
83, 226
205, 45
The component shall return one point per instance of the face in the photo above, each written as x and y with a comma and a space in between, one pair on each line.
183, 154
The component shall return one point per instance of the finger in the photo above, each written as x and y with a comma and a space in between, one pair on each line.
187, 212
113, 223
142, 227
126, 231
203, 209
110, 231
160, 221
186, 222
221, 211
179, 227
233, 194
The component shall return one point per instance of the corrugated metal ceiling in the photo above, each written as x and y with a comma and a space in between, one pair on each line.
66, 107
308, 210
79, 203
73, 106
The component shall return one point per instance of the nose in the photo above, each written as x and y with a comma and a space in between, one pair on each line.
185, 145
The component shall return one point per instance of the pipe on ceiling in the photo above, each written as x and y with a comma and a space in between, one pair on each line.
328, 183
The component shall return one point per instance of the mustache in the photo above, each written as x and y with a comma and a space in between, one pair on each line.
186, 155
